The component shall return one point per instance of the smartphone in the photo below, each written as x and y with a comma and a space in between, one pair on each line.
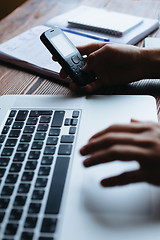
67, 55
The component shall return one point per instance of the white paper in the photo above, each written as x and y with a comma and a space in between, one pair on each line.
28, 51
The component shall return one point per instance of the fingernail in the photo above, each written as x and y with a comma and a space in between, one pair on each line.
105, 183
86, 163
82, 151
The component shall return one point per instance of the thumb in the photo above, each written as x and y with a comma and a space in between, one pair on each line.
89, 66
134, 120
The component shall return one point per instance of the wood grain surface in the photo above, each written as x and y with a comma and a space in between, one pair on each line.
14, 80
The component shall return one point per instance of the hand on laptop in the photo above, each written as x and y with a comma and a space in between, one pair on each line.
138, 141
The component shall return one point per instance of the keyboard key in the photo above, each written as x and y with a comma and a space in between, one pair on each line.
20, 201
46, 112
22, 147
58, 119
67, 122
12, 113
54, 132
18, 125
9, 121
24, 188
49, 150
67, 139
75, 114
45, 238
42, 127
2, 138
65, 149
72, 130
15, 214
34, 114
37, 195
11, 142
31, 165
41, 182
19, 157
40, 136
14, 133
4, 203
57, 185
32, 121
39, 113
37, 145
47, 160
11, 178
34, 208
44, 171
27, 176
34, 154
15, 167
52, 140
27, 235
7, 152
4, 162
2, 171
5, 129
1, 216
7, 191
11, 229
48, 225
45, 119
22, 115
74, 121
26, 138
30, 222
29, 129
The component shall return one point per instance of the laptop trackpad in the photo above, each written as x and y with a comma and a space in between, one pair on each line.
131, 200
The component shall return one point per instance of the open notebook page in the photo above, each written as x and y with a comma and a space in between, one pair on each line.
26, 50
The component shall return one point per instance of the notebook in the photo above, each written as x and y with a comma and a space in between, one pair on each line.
152, 42
131, 37
100, 20
46, 193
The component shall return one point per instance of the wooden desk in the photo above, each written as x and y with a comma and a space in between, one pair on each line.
35, 12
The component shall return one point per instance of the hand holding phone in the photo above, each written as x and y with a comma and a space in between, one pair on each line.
67, 55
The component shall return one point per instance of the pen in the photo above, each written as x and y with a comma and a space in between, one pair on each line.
85, 34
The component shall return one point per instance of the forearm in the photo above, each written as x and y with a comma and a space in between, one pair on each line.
151, 63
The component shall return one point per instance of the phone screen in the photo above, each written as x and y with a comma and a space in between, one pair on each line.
63, 45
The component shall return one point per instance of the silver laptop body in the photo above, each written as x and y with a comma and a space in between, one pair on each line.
46, 193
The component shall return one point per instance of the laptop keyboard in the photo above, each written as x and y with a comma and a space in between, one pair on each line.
35, 152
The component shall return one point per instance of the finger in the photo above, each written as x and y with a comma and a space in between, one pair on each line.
93, 87
124, 179
73, 87
110, 139
89, 48
117, 152
63, 74
132, 128
135, 121
54, 59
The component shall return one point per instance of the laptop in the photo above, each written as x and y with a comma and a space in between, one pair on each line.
46, 193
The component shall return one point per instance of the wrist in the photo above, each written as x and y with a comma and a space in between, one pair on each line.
151, 62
